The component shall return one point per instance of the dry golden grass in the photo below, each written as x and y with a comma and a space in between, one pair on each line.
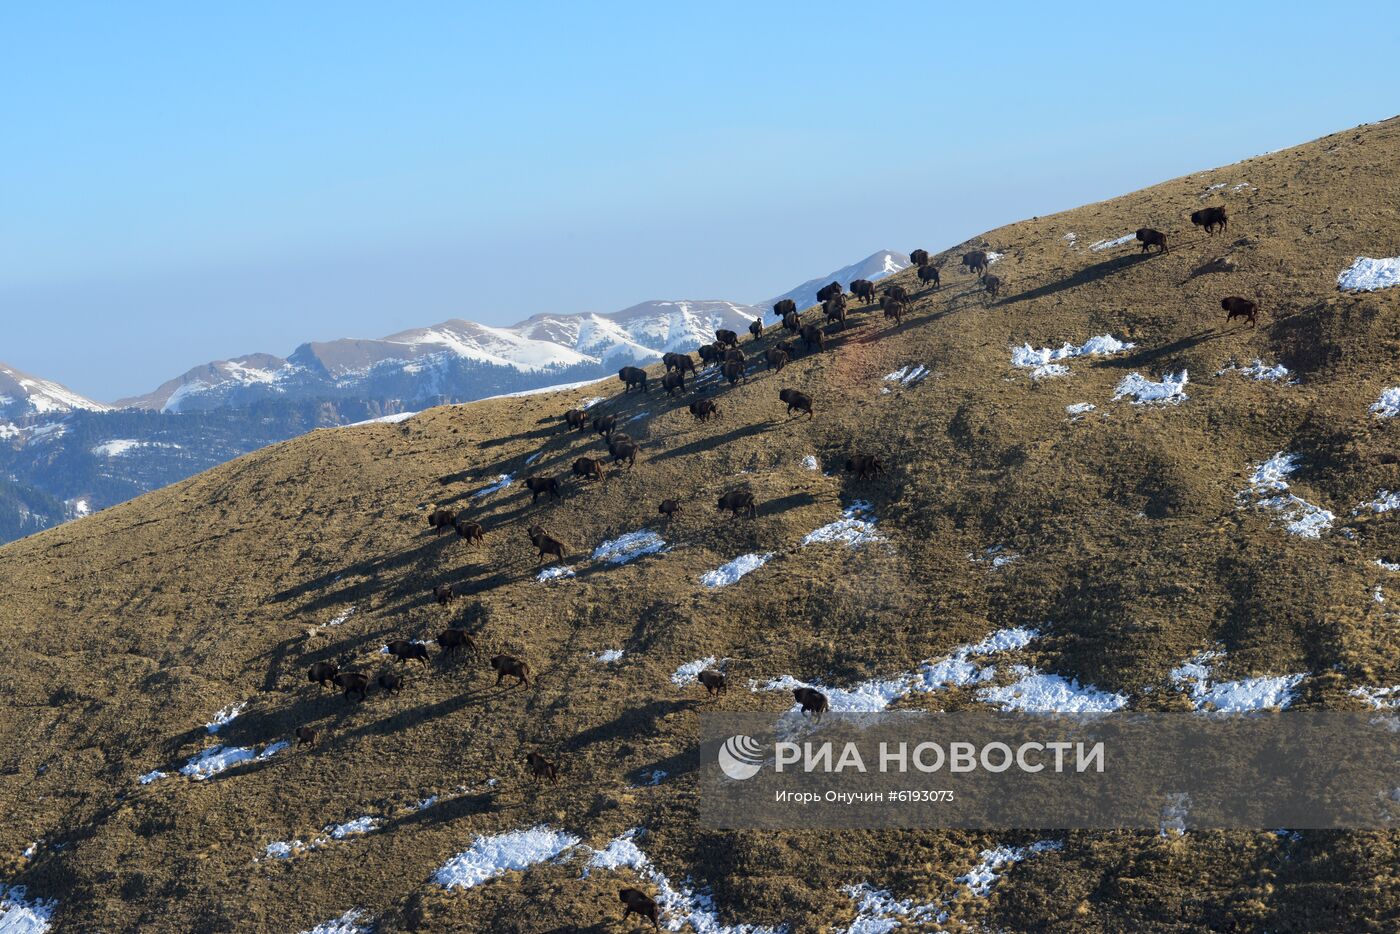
127, 630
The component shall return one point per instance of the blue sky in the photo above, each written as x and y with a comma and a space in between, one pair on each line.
185, 182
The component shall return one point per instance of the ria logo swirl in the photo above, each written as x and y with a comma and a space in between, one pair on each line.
741, 757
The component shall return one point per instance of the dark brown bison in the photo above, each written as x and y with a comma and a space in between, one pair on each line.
589, 468
734, 355
863, 289
1150, 238
636, 902
539, 485
929, 274
711, 354
703, 409
510, 665
896, 291
812, 701
812, 336
919, 258
791, 322
451, 641
992, 284
441, 519
352, 682
624, 451
471, 531
796, 401
894, 309
975, 261
404, 650
726, 338
575, 418
632, 376
680, 362
605, 425
444, 594
714, 682
784, 307
835, 310
733, 372
828, 291
737, 501
673, 382
777, 357
540, 767
1210, 218
864, 465
670, 508
1236, 307
546, 544
756, 329
322, 673
390, 683
305, 736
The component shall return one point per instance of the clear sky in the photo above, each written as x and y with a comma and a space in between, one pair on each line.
182, 182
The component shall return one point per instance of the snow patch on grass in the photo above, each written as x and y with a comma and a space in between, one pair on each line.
1170, 390
982, 877
629, 547
1379, 698
879, 912
1299, 516
357, 826
686, 673
729, 573
1278, 373
502, 482
910, 375
810, 463
1102, 245
1080, 408
21, 915
1044, 362
152, 776
1368, 275
224, 717
1385, 501
1388, 405
1196, 678
495, 855
608, 656
1040, 692
555, 572
354, 921
216, 759
995, 557
856, 527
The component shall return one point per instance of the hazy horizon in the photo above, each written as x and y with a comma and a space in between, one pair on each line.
212, 183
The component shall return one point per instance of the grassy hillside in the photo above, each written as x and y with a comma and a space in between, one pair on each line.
127, 631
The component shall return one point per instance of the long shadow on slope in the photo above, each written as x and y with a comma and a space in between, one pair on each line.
1148, 355
366, 568
709, 443
633, 722
1083, 276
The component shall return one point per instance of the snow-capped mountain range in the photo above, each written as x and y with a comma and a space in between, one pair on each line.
63, 455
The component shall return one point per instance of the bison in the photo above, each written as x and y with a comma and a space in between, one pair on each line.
929, 274
352, 682
975, 261
471, 531
510, 665
632, 376
894, 309
713, 681
441, 519
624, 451
734, 355
897, 292
864, 465
404, 650
756, 329
305, 736
390, 683
669, 508
680, 362
726, 338
919, 258
1150, 238
835, 310
539, 485
546, 544
812, 336
784, 307
711, 354
589, 468
575, 418
1236, 307
737, 501
636, 902
828, 291
322, 673
992, 284
733, 372
673, 382
777, 357
444, 594
796, 401
1211, 218
812, 701
792, 322
863, 289
540, 767
605, 425
454, 640
703, 409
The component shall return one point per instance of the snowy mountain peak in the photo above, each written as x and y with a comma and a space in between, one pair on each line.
874, 267
23, 396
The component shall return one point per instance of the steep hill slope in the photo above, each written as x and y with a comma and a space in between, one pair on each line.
1131, 537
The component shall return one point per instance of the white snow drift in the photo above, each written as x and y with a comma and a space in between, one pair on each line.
1195, 677
1170, 390
1388, 405
495, 855
1044, 362
1368, 275
1299, 516
629, 547
216, 759
729, 573
856, 527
